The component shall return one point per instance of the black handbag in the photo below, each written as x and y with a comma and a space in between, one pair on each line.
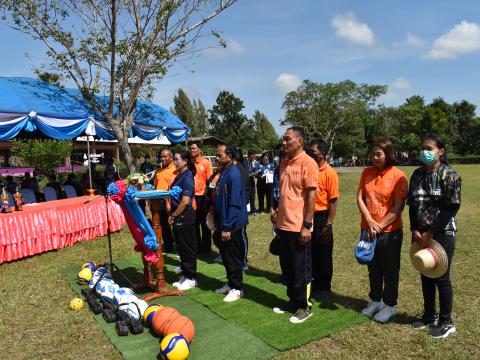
274, 247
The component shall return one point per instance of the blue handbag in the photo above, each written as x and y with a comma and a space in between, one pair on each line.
365, 249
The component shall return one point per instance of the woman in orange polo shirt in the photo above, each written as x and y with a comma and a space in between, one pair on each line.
381, 198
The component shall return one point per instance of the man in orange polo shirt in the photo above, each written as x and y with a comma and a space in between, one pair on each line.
163, 179
204, 172
325, 210
294, 222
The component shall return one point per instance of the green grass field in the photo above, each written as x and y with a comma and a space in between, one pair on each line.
35, 322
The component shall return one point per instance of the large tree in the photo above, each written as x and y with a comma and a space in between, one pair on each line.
228, 123
266, 136
117, 48
464, 113
183, 108
201, 118
325, 109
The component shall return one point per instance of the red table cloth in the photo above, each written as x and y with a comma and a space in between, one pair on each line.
54, 225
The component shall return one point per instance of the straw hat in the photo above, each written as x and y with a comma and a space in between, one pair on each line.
431, 262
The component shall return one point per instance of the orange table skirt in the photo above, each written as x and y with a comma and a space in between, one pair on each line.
54, 225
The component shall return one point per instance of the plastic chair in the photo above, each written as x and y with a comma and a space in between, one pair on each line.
69, 191
28, 196
50, 193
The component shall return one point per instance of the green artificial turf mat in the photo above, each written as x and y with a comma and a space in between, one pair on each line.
254, 312
215, 338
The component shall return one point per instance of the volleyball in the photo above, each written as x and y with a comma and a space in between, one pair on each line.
84, 276
91, 265
174, 347
149, 313
76, 304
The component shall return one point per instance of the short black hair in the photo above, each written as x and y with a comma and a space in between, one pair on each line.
230, 152
321, 145
251, 152
298, 130
196, 142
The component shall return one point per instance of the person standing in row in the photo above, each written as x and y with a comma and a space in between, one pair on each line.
294, 222
204, 172
325, 211
163, 179
231, 218
265, 184
434, 200
182, 219
253, 168
381, 198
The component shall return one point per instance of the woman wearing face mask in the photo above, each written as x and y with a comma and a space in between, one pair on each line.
182, 219
381, 199
434, 199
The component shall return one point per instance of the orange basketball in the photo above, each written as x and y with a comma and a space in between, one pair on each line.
182, 325
161, 317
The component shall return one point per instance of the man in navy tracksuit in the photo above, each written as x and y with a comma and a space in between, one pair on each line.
230, 214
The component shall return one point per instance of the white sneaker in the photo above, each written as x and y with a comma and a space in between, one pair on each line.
187, 284
218, 259
178, 269
385, 315
223, 290
233, 295
373, 308
179, 282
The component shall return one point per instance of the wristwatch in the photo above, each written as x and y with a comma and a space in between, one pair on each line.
307, 224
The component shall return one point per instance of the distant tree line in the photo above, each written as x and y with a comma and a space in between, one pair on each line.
348, 116
227, 121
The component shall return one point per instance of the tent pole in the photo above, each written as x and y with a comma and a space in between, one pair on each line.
89, 165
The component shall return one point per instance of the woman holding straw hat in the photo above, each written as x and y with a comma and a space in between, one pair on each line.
381, 198
434, 199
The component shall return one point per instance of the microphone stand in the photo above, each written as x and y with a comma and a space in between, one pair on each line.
114, 269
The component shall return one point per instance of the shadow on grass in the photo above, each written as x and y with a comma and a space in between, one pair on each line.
254, 293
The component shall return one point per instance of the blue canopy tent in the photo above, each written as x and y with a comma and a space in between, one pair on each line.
31, 104
150, 121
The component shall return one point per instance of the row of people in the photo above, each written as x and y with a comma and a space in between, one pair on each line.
433, 197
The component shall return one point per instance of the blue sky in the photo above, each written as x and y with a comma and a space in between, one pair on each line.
428, 47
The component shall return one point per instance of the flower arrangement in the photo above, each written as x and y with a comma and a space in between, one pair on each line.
18, 198
136, 179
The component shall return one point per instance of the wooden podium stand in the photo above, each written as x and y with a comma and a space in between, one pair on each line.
158, 286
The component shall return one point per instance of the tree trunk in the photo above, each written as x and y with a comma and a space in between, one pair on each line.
127, 154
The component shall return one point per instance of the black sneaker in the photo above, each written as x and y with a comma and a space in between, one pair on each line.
442, 330
423, 322
300, 316
284, 309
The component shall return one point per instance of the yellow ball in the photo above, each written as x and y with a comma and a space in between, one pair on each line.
174, 347
76, 304
149, 313
90, 264
84, 276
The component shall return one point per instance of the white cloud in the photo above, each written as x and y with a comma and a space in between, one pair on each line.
410, 40
286, 82
462, 39
233, 48
348, 27
402, 83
